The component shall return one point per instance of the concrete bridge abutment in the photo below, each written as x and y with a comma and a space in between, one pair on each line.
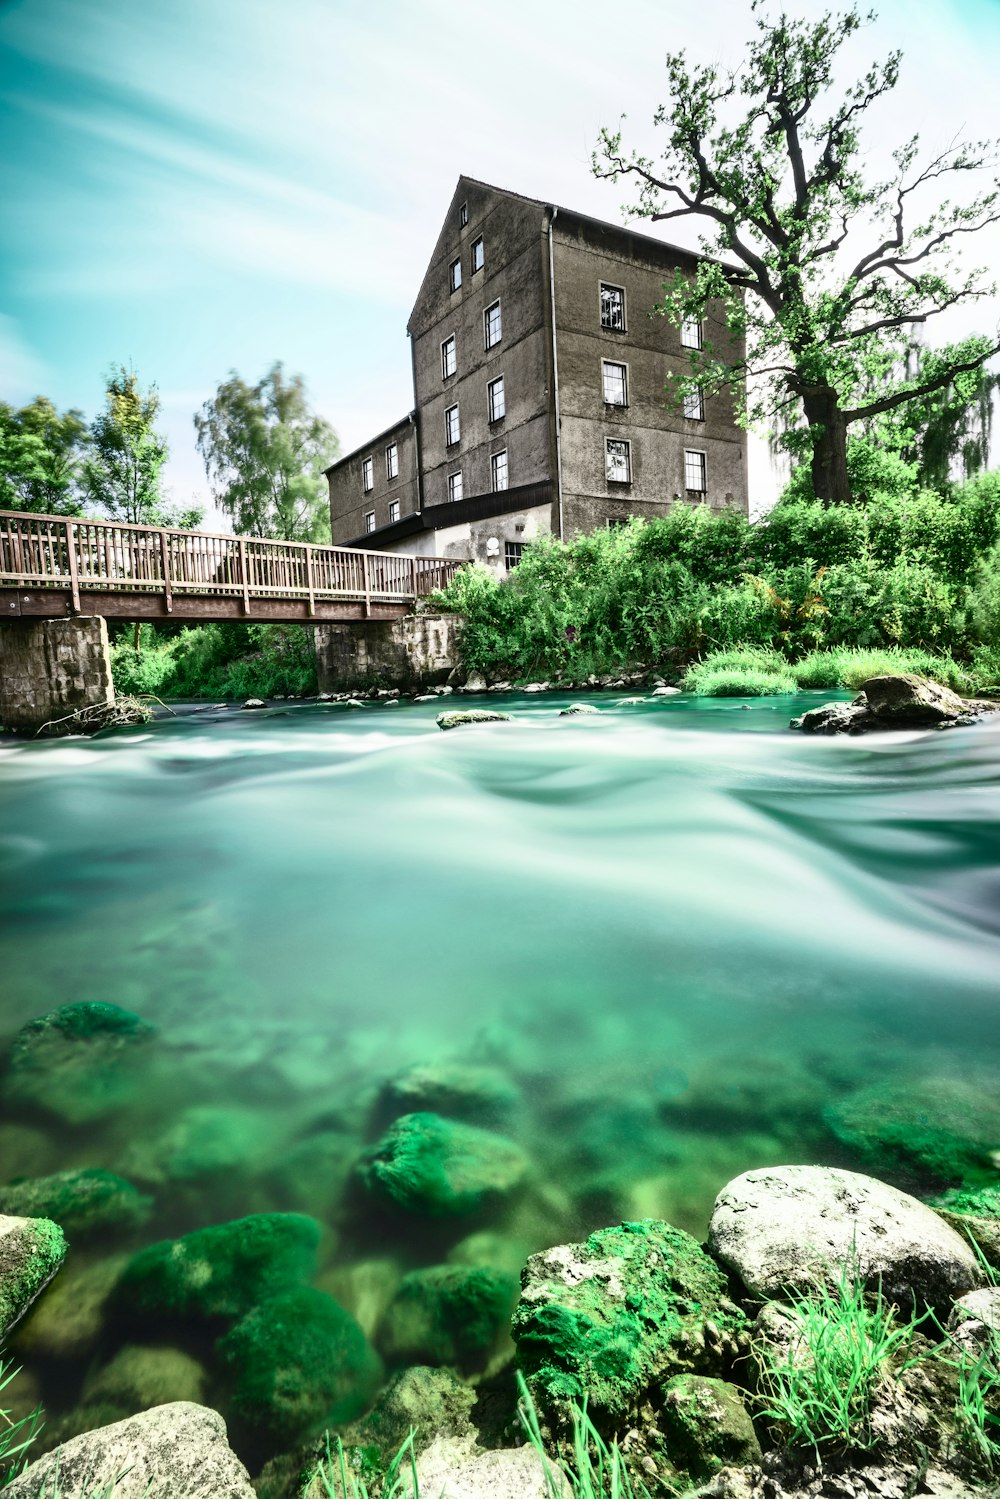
50, 668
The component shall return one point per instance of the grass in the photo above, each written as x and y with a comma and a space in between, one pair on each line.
757, 671
16, 1436
332, 1479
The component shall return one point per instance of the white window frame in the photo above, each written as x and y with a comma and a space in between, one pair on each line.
616, 364
491, 404
491, 343
700, 454
450, 441
619, 442
393, 511
694, 406
478, 248
392, 461
603, 286
369, 522
452, 486
455, 274
692, 333
508, 563
494, 486
449, 345
368, 474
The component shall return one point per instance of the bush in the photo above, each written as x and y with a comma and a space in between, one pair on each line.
850, 669
703, 681
218, 661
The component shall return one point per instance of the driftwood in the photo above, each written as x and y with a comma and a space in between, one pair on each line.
123, 713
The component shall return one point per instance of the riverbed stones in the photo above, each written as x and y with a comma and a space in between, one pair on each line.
456, 718
706, 1425
203, 1142
451, 1467
975, 1214
927, 1131
70, 1316
899, 701
79, 1062
31, 1251
448, 1314
629, 1307
138, 1377
83, 1203
576, 709
179, 1449
788, 1227
441, 1168
457, 1090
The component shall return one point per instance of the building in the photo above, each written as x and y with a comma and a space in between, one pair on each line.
538, 381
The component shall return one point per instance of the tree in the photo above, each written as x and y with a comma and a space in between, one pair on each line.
123, 471
41, 458
785, 205
265, 453
945, 433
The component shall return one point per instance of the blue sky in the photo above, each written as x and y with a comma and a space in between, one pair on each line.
197, 186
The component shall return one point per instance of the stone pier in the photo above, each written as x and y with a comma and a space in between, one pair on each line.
418, 650
51, 667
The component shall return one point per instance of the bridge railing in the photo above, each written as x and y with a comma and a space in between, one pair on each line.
41, 551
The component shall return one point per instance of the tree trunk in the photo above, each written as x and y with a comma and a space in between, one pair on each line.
828, 432
137, 638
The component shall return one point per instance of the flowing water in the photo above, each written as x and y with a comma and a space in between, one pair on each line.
678, 931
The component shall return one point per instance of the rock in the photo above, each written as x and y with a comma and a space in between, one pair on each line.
296, 1362
575, 708
899, 701
31, 1251
974, 1324
784, 1229
429, 1402
392, 702
179, 1449
706, 1425
459, 716
444, 691
203, 1142
931, 1132
137, 1378
82, 1202
489, 1250
834, 718
501, 687
442, 1169
976, 1215
325, 697
477, 1094
474, 682
69, 1317
536, 687
451, 1467
630, 702
448, 1314
220, 1271
425, 697
26, 1151
662, 691
254, 702
80, 1062
628, 1308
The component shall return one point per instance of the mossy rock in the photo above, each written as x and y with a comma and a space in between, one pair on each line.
70, 1316
457, 717
31, 1251
442, 1169
447, 1315
924, 1132
137, 1378
706, 1425
298, 1361
80, 1062
630, 1307
221, 1271
82, 1202
456, 1090
975, 1213
204, 1142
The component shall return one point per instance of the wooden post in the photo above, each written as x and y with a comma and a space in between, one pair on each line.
74, 569
413, 562
243, 576
368, 592
311, 581
165, 557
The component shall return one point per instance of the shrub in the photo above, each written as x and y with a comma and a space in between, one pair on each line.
735, 682
218, 661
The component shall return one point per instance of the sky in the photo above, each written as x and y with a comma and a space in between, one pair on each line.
199, 186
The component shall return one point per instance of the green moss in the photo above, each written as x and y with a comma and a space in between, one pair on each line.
77, 1061
81, 1202
926, 1132
31, 1251
82, 1022
297, 1362
976, 1214
221, 1271
447, 1315
606, 1318
202, 1142
440, 1168
478, 1095
706, 1425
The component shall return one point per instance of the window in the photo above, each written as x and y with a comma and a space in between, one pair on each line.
455, 486
615, 383
694, 406
691, 333
452, 426
492, 325
477, 254
694, 473
449, 361
513, 551
369, 520
613, 307
368, 475
455, 273
393, 511
391, 461
495, 399
463, 215
498, 470
615, 522
619, 461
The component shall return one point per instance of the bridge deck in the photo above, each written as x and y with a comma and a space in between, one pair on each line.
53, 566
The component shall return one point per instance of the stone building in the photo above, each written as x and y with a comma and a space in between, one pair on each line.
539, 402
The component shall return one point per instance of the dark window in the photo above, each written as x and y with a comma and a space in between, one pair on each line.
613, 307
513, 551
391, 461
498, 470
369, 520
463, 215
455, 486
452, 426
449, 359
393, 511
492, 325
368, 475
495, 399
477, 255
695, 476
455, 274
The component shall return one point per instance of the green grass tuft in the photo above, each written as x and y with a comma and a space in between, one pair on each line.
707, 680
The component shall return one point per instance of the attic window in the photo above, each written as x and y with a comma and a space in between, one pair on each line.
463, 215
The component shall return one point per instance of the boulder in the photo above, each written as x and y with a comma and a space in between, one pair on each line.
449, 1314
79, 1062
31, 1251
137, 1378
178, 1449
577, 708
69, 1318
255, 702
665, 691
202, 1142
975, 1214
459, 716
706, 1425
974, 1324
928, 1131
630, 1307
899, 701
83, 1203
457, 1090
834, 718
452, 1467
474, 682
440, 1168
783, 1229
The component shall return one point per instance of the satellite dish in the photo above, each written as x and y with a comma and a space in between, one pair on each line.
492, 546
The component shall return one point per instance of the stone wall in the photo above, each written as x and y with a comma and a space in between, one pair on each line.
416, 651
51, 667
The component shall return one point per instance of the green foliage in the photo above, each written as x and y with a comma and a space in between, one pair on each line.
222, 662
850, 669
40, 458
705, 680
265, 453
126, 457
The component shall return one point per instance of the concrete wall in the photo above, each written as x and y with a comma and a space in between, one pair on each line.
348, 501
51, 667
418, 650
470, 540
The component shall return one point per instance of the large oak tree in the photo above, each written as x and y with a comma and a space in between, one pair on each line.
824, 272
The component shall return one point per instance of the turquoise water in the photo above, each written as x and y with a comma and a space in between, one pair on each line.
679, 931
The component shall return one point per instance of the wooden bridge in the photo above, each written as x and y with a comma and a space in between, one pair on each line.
55, 567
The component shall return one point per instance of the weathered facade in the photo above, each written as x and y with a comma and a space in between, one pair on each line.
539, 401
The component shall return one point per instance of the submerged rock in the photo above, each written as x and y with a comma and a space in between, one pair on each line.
178, 1449
931, 1131
137, 1378
789, 1227
452, 1467
31, 1251
628, 1308
976, 1215
576, 708
81, 1202
706, 1425
202, 1142
898, 701
457, 1090
69, 1317
80, 1062
441, 1168
449, 1314
459, 716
